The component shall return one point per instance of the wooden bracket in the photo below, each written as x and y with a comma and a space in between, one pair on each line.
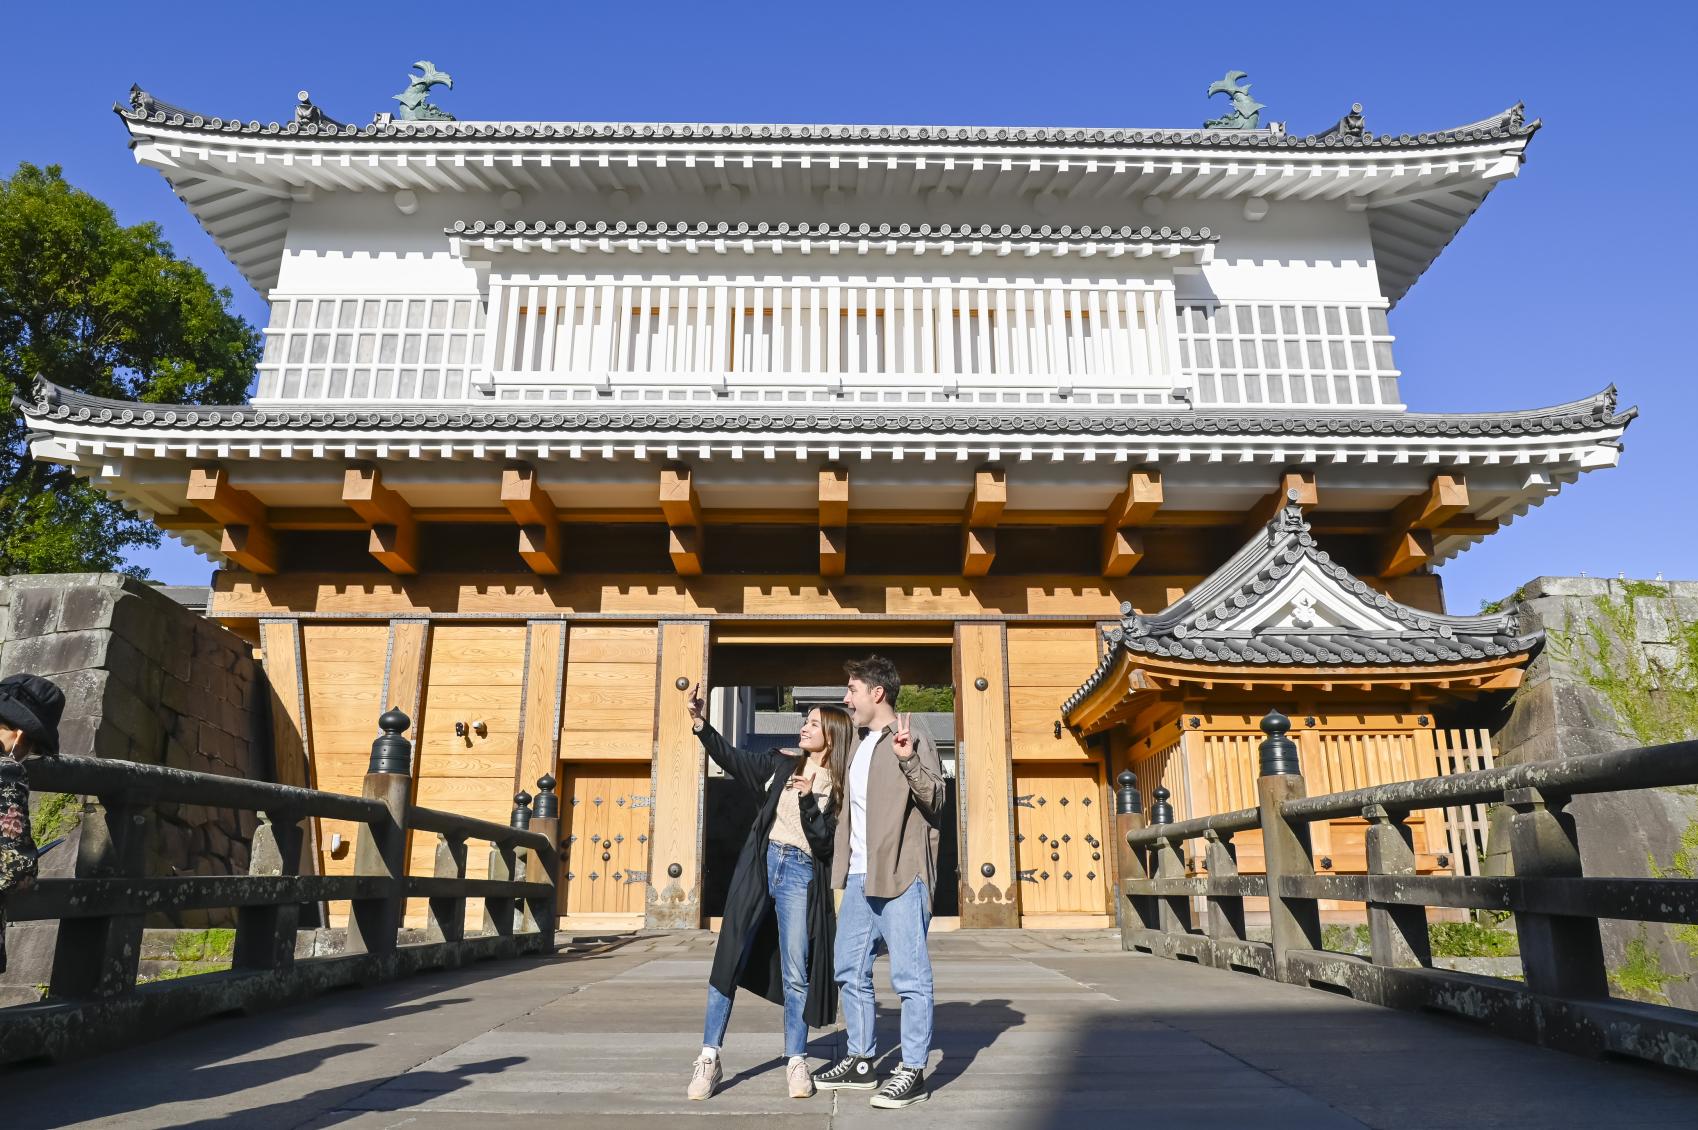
539, 521
246, 538
394, 537
834, 520
1409, 540
1121, 546
683, 511
984, 510
1301, 481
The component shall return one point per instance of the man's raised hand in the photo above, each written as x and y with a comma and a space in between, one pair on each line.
903, 738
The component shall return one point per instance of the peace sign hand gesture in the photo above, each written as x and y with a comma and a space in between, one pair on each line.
903, 737
697, 706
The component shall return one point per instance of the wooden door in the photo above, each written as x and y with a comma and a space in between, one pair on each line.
1058, 816
605, 809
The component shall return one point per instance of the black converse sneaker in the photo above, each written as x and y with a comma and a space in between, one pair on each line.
905, 1087
851, 1073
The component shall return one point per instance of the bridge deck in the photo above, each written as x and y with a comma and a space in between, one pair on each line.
1033, 1029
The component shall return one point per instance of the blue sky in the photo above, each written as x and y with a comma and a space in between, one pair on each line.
1576, 275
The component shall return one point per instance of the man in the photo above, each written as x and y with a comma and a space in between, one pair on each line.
885, 863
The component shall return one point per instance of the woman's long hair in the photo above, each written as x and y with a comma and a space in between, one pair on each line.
839, 730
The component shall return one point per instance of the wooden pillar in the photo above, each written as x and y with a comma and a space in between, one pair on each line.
1561, 955
291, 734
1294, 923
990, 878
380, 850
545, 668
675, 868
1397, 933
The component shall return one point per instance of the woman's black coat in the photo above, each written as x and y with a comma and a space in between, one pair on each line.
748, 905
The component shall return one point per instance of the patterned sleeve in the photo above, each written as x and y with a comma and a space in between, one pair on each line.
17, 847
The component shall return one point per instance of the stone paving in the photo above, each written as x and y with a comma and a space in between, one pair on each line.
1034, 1030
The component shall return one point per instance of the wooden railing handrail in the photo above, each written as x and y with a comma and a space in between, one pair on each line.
1565, 999
94, 1002
97, 776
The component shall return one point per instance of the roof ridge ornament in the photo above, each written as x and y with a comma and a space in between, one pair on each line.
1289, 519
1246, 112
415, 106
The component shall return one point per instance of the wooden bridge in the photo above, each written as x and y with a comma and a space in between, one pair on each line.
1033, 1028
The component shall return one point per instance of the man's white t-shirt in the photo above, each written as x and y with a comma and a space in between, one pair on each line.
858, 770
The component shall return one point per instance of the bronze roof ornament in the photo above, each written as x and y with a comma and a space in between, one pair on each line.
415, 105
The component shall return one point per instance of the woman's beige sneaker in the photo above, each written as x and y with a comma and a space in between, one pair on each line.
705, 1075
800, 1080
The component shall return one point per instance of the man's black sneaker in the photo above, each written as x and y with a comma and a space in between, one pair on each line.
905, 1087
851, 1073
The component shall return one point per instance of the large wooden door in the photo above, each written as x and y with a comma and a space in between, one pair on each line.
1058, 817
605, 809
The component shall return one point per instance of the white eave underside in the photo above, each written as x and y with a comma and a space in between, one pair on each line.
241, 187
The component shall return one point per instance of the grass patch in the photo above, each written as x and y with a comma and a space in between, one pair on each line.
1447, 939
204, 946
55, 815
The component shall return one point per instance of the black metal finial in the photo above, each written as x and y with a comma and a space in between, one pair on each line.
1127, 800
521, 810
548, 805
1279, 753
390, 752
1161, 812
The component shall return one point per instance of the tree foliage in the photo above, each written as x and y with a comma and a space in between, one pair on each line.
106, 309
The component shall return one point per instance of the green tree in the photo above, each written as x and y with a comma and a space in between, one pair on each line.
106, 309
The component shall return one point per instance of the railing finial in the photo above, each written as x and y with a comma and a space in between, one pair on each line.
1161, 812
521, 810
548, 805
390, 752
1128, 801
1279, 753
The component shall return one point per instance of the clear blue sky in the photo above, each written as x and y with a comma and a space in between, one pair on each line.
1577, 274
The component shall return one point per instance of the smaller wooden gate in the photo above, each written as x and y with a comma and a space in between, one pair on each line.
1058, 820
605, 810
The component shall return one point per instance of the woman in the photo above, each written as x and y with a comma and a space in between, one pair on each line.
777, 935
30, 708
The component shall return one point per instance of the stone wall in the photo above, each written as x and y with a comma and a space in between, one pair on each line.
148, 680
1619, 669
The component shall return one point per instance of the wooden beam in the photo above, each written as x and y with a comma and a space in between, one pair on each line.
989, 496
394, 537
683, 511
834, 496
246, 538
834, 550
1300, 481
978, 550
1409, 539
1121, 551
978, 522
1121, 546
539, 521
834, 520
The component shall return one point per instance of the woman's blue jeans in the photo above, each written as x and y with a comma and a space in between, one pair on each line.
789, 870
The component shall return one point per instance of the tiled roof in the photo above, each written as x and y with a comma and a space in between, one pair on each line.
49, 402
1510, 124
701, 229
1193, 629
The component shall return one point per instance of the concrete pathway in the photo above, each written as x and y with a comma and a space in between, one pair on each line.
1035, 1030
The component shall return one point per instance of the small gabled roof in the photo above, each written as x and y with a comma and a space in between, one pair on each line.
1282, 601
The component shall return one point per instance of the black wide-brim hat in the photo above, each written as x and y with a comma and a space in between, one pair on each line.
34, 705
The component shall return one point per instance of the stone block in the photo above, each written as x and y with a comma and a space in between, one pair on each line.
176, 696
142, 623
111, 743
60, 652
35, 612
1565, 586
86, 608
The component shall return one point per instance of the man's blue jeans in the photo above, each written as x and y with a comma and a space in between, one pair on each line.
789, 870
902, 923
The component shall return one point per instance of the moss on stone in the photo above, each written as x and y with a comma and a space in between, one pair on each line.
1641, 976
55, 815
214, 945
1654, 706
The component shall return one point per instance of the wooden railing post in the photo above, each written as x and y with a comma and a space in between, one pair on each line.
1226, 912
504, 867
1129, 818
1561, 955
447, 921
545, 867
265, 935
381, 849
1397, 933
98, 957
1173, 912
1295, 923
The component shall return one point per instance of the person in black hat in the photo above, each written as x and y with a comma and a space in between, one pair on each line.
30, 708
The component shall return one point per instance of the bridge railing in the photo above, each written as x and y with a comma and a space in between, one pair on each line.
93, 1001
1565, 999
